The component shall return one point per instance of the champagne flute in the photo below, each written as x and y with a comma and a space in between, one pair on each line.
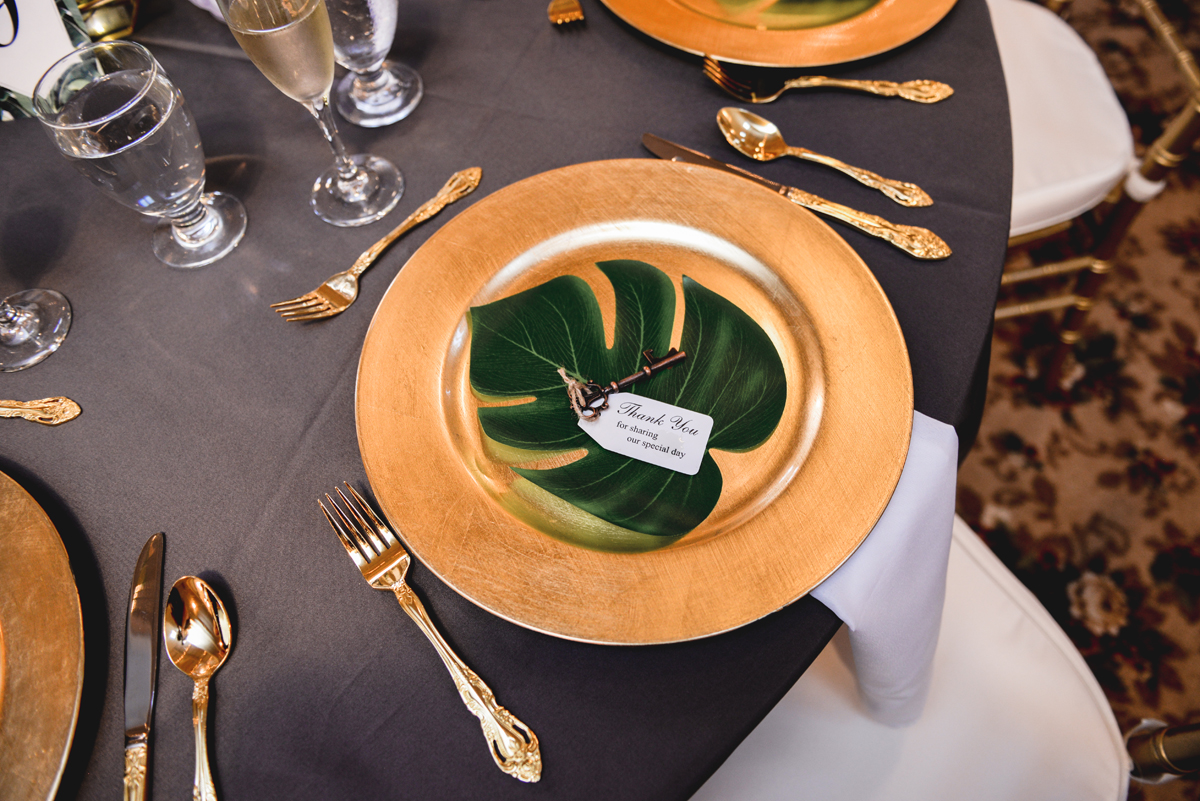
375, 92
113, 112
291, 43
33, 324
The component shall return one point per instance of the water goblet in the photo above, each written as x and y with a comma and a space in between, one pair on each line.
113, 112
33, 323
376, 92
291, 43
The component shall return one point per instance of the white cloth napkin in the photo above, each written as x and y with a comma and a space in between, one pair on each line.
211, 7
890, 592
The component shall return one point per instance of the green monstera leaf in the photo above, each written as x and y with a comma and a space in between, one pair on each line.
732, 373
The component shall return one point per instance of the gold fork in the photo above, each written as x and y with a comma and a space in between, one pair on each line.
765, 88
340, 289
383, 562
563, 11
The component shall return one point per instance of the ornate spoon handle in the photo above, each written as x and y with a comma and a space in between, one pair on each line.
919, 242
902, 192
47, 411
917, 91
461, 184
513, 745
202, 784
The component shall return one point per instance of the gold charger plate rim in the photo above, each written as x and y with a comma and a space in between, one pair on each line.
41, 645
689, 590
883, 27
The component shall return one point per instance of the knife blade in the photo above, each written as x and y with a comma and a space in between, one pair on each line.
919, 242
141, 663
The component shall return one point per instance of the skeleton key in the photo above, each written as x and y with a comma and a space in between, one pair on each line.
595, 397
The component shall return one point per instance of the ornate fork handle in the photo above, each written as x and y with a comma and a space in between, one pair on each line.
514, 746
47, 411
460, 184
917, 91
919, 242
902, 192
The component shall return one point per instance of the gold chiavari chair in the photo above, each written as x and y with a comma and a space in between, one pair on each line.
1103, 226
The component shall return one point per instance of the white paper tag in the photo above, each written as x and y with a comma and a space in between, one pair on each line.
651, 431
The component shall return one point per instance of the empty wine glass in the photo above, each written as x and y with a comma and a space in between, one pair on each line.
112, 111
33, 324
375, 92
291, 43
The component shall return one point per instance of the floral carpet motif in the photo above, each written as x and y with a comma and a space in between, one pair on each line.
1092, 498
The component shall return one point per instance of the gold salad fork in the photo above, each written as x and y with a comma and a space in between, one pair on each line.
383, 562
765, 87
340, 289
563, 11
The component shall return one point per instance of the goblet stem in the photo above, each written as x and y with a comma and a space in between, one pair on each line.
323, 114
33, 323
195, 225
16, 324
371, 80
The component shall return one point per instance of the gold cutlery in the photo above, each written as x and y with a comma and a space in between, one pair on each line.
760, 139
913, 240
562, 12
340, 289
766, 87
383, 562
47, 411
141, 664
198, 637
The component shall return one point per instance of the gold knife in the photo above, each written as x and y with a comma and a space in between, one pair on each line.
141, 664
919, 242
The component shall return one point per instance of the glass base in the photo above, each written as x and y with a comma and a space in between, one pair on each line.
43, 318
368, 197
389, 98
223, 226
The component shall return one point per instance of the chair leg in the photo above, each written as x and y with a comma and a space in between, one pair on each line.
1086, 288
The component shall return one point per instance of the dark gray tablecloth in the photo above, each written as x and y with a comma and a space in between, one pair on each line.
209, 418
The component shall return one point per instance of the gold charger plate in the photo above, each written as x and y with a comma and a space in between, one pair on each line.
41, 649
791, 511
766, 34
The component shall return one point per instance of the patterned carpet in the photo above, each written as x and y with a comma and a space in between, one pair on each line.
1093, 501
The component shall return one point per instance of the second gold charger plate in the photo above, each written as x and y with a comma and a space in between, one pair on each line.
783, 33
790, 512
41, 649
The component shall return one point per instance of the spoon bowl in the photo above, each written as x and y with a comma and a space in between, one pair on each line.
198, 637
751, 135
761, 140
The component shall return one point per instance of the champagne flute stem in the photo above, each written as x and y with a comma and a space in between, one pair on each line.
323, 113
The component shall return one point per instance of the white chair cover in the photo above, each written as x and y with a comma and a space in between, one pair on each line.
1071, 138
1013, 713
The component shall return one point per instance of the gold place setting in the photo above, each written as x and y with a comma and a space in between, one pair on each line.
605, 427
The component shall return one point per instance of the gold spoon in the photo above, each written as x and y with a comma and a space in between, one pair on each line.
198, 638
760, 139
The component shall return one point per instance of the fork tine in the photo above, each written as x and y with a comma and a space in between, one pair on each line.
343, 534
714, 72
380, 527
305, 316
303, 302
366, 528
365, 547
293, 302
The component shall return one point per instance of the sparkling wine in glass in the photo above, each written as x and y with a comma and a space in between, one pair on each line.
375, 92
291, 43
112, 111
33, 324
